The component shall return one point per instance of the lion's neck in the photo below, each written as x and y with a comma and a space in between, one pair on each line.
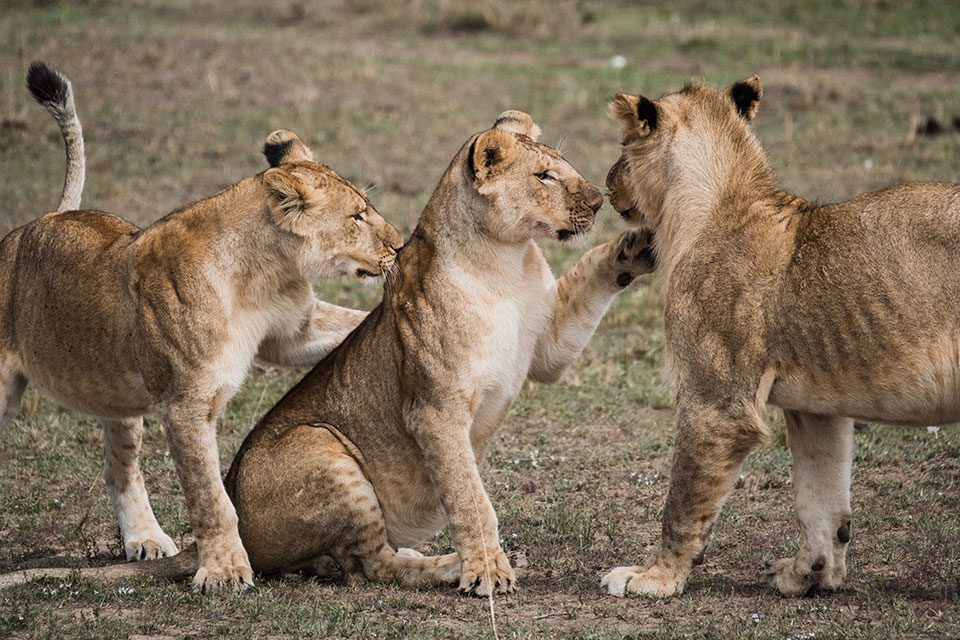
457, 241
226, 234
712, 181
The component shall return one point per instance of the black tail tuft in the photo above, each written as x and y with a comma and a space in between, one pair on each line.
47, 85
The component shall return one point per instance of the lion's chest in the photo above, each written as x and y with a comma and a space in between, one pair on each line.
504, 355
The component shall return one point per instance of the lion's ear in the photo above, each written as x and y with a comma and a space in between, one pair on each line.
637, 115
283, 146
491, 153
746, 96
290, 200
518, 122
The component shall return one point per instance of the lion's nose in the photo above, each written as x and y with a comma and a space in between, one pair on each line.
393, 239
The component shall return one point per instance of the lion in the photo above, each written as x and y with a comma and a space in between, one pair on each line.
117, 321
831, 312
379, 446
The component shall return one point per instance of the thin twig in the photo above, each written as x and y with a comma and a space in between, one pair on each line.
486, 567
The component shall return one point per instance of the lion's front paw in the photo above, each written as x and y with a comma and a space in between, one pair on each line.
226, 570
655, 581
149, 546
479, 578
633, 255
790, 580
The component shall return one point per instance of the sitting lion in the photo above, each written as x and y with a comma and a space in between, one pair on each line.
117, 321
379, 446
834, 312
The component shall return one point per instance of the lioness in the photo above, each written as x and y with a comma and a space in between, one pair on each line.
848, 310
379, 446
117, 321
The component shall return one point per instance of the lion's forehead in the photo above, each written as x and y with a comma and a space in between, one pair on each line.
322, 176
537, 150
696, 99
347, 191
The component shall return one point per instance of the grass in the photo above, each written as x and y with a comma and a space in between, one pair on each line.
176, 98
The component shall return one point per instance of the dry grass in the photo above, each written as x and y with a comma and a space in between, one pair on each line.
176, 98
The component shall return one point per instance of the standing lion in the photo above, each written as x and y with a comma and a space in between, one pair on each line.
834, 312
117, 321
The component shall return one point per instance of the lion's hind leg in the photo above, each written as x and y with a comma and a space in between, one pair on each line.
366, 551
417, 569
143, 539
318, 486
822, 450
12, 385
406, 566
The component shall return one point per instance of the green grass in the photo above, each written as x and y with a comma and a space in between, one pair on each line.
176, 98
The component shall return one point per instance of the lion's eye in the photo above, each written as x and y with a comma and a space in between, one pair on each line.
359, 216
544, 176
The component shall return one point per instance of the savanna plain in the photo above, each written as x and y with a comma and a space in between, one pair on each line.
176, 98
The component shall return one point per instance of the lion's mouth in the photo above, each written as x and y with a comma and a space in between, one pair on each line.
580, 224
363, 273
630, 213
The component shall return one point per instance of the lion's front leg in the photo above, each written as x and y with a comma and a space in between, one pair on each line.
321, 330
191, 431
443, 437
711, 445
822, 450
583, 296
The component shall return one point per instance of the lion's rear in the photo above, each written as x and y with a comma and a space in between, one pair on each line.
68, 305
9, 245
867, 320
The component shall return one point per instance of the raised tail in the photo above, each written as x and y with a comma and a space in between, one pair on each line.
51, 88
172, 568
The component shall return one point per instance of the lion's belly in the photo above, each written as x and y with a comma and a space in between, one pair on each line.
416, 524
97, 382
919, 387
411, 508
115, 397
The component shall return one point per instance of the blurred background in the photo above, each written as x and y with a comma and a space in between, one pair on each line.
176, 98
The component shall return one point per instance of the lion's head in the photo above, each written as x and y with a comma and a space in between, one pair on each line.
533, 191
688, 137
339, 230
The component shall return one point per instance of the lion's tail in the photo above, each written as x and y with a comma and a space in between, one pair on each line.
173, 568
51, 88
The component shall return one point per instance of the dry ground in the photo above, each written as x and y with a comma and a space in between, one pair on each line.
176, 98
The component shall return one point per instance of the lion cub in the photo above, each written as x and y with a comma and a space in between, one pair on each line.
117, 321
834, 312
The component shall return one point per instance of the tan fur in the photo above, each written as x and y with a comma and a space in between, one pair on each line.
380, 445
848, 310
117, 322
